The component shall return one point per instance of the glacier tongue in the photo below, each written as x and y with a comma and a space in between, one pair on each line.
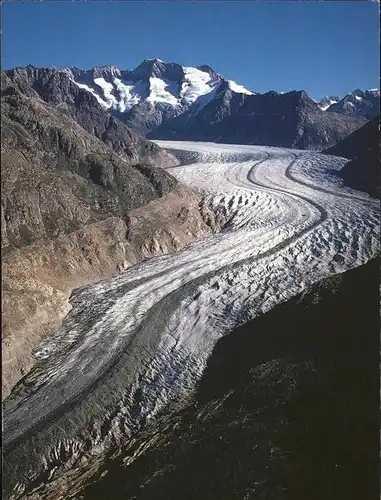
134, 345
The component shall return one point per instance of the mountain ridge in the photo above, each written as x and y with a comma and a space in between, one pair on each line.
170, 101
363, 104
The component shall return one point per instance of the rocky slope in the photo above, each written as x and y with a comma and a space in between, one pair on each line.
57, 89
77, 205
287, 409
363, 149
171, 101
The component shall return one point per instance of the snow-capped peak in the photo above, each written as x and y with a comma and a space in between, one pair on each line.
155, 82
155, 60
365, 104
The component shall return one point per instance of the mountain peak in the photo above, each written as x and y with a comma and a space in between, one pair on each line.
155, 60
358, 92
327, 101
108, 70
303, 94
150, 68
331, 97
207, 69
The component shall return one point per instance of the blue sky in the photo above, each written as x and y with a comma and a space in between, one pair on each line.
323, 48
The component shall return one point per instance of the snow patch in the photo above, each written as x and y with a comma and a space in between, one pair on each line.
325, 106
198, 87
86, 87
107, 89
196, 83
130, 93
160, 91
238, 88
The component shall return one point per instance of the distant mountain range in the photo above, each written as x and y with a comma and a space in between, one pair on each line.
364, 104
170, 101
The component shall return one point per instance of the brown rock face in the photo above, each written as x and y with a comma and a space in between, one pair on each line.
74, 209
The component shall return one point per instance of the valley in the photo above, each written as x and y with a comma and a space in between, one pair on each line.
135, 346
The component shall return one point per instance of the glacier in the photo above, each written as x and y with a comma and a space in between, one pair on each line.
135, 346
